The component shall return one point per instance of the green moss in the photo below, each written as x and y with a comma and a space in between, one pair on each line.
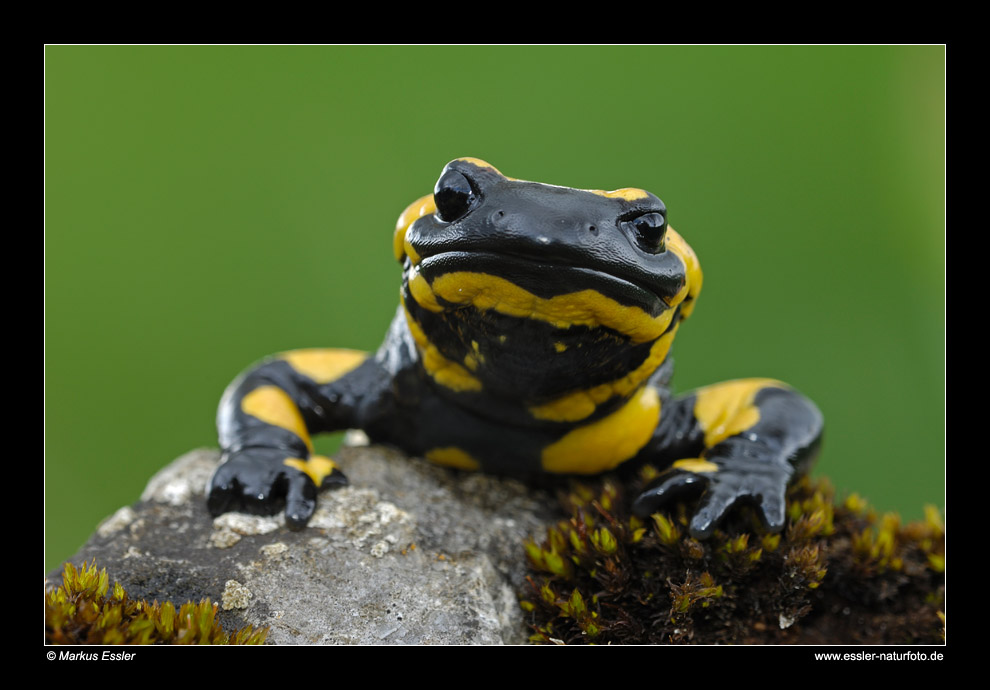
838, 573
86, 610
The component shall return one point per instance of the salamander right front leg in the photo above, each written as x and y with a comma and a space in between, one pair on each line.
265, 421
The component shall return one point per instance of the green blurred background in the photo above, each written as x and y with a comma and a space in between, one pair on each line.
207, 206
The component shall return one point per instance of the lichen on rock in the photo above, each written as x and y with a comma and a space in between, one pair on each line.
407, 554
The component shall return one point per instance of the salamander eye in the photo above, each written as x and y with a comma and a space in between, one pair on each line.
454, 196
649, 230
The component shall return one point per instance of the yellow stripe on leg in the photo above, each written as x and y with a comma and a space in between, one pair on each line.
273, 405
324, 365
696, 465
452, 456
318, 467
726, 409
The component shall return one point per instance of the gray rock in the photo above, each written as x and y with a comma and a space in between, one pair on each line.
409, 553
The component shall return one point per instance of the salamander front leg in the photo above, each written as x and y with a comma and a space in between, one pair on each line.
738, 442
265, 421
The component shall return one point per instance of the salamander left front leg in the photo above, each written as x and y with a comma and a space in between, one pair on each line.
738, 441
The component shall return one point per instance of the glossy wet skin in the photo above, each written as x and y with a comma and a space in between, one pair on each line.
516, 273
533, 335
613, 244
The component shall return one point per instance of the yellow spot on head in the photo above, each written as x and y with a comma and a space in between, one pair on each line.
273, 405
559, 347
604, 444
452, 456
692, 267
423, 206
324, 365
696, 465
479, 163
627, 193
318, 467
726, 409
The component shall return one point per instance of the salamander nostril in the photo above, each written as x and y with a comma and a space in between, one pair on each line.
593, 230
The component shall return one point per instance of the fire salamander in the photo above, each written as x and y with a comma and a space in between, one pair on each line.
533, 335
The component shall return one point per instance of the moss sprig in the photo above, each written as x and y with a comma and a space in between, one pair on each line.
85, 609
838, 573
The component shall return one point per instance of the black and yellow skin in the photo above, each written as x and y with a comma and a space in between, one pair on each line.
533, 336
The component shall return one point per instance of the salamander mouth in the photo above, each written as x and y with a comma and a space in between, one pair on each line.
544, 279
